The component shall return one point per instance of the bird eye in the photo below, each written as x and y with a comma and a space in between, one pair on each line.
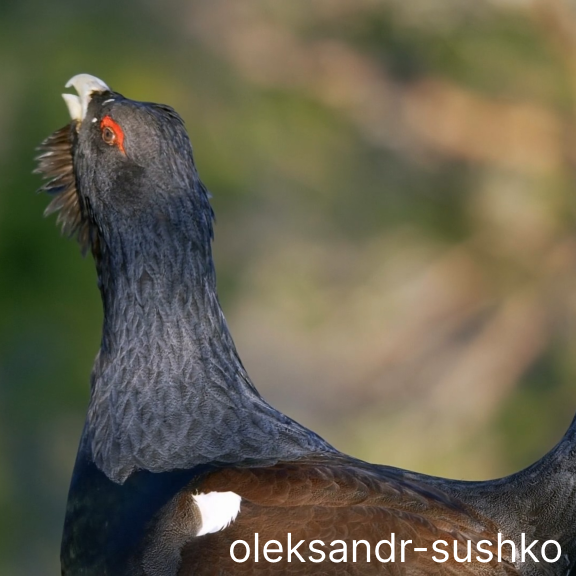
108, 135
112, 133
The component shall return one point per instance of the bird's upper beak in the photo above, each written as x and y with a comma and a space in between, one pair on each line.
85, 85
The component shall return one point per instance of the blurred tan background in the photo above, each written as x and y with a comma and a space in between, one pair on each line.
395, 190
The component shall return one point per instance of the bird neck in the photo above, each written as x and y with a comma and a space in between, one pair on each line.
539, 501
160, 291
168, 388
549, 489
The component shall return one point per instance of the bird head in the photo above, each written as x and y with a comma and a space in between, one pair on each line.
120, 167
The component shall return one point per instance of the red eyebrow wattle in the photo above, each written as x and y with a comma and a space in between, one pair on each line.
107, 122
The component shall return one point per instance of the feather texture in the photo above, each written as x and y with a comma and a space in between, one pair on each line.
56, 164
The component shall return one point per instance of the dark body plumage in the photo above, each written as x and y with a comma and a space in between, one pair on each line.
173, 413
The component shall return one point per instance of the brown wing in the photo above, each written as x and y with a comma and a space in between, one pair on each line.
334, 501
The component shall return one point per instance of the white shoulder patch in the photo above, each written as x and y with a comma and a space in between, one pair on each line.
218, 510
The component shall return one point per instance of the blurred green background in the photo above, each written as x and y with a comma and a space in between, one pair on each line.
395, 190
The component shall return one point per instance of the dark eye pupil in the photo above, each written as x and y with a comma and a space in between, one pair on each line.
108, 135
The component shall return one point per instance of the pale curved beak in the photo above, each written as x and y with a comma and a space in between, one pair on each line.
85, 85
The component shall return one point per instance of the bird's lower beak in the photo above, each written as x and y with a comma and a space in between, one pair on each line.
85, 85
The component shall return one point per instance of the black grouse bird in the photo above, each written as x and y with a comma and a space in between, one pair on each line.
183, 468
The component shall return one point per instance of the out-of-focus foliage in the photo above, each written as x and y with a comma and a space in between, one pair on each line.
394, 184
